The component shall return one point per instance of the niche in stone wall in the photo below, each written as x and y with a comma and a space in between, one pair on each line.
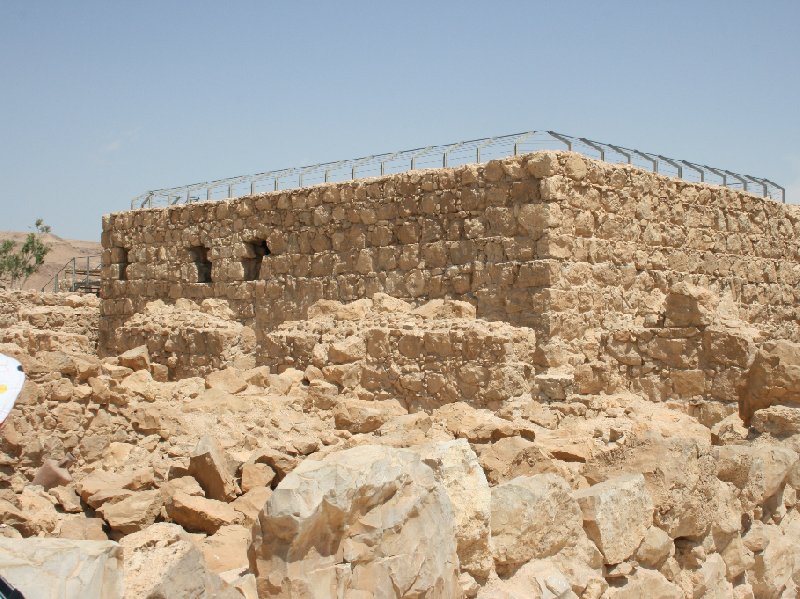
199, 255
256, 250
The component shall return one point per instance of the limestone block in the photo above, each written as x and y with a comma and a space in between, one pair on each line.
136, 358
349, 350
358, 416
772, 571
456, 466
543, 164
532, 517
201, 514
256, 475
67, 498
229, 380
778, 421
689, 305
134, 512
511, 457
774, 378
79, 527
616, 515
478, 426
645, 583
655, 547
355, 523
226, 549
162, 561
251, 503
63, 568
209, 465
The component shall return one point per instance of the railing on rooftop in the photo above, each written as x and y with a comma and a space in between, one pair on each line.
449, 155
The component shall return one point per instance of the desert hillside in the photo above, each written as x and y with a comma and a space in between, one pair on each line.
61, 251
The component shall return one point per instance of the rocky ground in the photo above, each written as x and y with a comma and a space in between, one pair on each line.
381, 450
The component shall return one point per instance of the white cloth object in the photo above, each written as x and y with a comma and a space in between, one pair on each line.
12, 378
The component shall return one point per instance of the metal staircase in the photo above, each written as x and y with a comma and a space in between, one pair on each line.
81, 274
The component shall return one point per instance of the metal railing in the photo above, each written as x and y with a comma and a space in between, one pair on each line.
79, 274
449, 155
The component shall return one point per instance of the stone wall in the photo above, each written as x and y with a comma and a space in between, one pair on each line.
584, 252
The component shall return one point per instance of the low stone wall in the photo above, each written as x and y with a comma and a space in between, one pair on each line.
381, 349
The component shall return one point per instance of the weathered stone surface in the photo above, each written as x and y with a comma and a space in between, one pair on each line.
135, 512
357, 521
514, 456
198, 514
136, 358
532, 517
229, 380
656, 546
359, 416
209, 465
82, 528
251, 503
774, 378
616, 515
645, 583
477, 426
256, 475
456, 466
52, 474
226, 549
63, 568
778, 421
161, 561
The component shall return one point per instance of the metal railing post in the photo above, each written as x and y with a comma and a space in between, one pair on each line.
73, 274
672, 163
718, 173
562, 138
594, 146
649, 158
697, 169
621, 151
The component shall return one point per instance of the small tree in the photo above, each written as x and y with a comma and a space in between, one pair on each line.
16, 266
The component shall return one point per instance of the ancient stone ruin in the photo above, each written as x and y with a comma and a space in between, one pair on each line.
542, 376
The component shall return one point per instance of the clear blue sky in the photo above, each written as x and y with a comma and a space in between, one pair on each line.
103, 100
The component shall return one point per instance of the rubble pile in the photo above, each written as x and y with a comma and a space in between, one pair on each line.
338, 467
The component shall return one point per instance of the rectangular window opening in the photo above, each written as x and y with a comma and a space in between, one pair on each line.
122, 263
256, 250
199, 255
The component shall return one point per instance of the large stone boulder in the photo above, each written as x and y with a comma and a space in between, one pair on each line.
63, 568
532, 517
457, 467
773, 379
616, 515
162, 561
369, 521
212, 469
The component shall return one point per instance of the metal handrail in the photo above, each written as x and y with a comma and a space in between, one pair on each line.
76, 275
453, 154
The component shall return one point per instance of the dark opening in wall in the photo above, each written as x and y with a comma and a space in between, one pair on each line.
199, 256
122, 263
256, 250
